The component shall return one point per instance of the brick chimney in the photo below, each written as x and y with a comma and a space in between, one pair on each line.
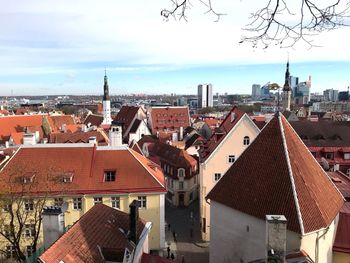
276, 237
133, 219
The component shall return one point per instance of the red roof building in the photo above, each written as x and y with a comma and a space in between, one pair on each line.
95, 237
277, 175
168, 119
98, 135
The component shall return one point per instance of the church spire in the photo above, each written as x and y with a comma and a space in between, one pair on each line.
105, 87
286, 86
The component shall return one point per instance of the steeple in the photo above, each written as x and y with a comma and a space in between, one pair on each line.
105, 88
286, 86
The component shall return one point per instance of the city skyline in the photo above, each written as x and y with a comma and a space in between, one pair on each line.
49, 49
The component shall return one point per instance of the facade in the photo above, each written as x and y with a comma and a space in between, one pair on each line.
224, 147
180, 169
256, 91
205, 96
82, 175
276, 175
331, 95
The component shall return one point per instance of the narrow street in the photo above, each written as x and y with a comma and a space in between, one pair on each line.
191, 248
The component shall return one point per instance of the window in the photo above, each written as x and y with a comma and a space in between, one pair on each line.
77, 203
217, 177
347, 156
348, 172
328, 156
181, 173
142, 201
97, 200
28, 205
29, 230
7, 230
30, 251
109, 176
191, 196
115, 202
58, 201
246, 140
181, 185
171, 183
231, 158
7, 207
10, 251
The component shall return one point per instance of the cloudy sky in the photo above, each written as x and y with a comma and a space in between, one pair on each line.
62, 47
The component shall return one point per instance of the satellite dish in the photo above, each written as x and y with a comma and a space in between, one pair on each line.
64, 207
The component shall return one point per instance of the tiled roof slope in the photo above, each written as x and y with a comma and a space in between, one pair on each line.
323, 133
134, 173
126, 115
171, 118
99, 227
342, 238
56, 121
78, 137
17, 123
93, 120
225, 127
278, 175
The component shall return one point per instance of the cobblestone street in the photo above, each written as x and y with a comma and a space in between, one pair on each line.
181, 221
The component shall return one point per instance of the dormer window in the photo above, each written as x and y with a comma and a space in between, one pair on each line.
109, 176
66, 177
27, 179
181, 173
329, 156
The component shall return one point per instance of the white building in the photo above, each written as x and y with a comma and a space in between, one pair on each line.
205, 95
276, 175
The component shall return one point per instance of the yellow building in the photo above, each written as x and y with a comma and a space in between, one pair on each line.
228, 142
79, 176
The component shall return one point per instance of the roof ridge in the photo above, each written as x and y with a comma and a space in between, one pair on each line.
290, 172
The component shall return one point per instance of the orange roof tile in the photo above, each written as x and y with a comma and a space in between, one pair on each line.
98, 228
79, 137
17, 123
56, 122
134, 173
278, 175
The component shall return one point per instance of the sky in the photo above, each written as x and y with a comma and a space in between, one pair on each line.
63, 47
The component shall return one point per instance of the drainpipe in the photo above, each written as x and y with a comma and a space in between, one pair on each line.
317, 243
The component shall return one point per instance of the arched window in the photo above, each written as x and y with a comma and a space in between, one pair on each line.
181, 173
246, 140
348, 172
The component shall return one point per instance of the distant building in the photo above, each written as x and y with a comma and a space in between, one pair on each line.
205, 95
287, 91
343, 96
294, 82
256, 91
331, 95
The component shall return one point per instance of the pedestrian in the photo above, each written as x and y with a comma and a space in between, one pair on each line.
168, 250
172, 256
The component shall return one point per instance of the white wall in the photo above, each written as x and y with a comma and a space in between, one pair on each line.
231, 241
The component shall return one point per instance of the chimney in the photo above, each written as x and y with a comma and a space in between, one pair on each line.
63, 127
276, 237
133, 218
181, 133
29, 138
93, 140
7, 144
53, 224
233, 116
83, 128
115, 135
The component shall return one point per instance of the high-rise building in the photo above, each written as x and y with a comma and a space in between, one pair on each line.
343, 96
256, 91
294, 82
107, 119
330, 95
205, 95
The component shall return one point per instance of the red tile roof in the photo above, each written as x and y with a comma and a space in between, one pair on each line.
342, 182
342, 238
57, 121
171, 155
277, 174
99, 227
134, 173
17, 123
171, 118
224, 128
79, 137
93, 120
